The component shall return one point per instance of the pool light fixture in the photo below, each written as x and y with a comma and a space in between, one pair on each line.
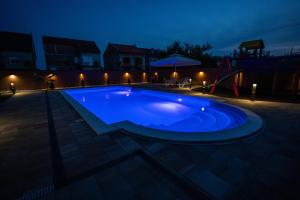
202, 109
180, 99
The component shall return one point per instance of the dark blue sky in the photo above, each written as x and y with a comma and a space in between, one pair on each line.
153, 23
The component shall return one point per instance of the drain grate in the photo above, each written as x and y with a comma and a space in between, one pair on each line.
37, 193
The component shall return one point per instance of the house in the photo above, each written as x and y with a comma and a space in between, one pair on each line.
63, 53
124, 57
16, 51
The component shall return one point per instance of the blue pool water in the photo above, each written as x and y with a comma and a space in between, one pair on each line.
158, 110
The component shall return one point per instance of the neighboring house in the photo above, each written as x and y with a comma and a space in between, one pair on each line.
63, 53
16, 51
124, 57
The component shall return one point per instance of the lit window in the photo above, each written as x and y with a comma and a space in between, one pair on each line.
87, 60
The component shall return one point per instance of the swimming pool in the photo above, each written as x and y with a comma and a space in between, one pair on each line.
161, 115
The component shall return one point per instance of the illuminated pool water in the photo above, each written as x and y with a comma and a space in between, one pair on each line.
144, 111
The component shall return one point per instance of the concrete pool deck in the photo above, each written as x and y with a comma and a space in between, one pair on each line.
262, 167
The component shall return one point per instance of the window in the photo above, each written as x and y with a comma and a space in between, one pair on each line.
126, 61
13, 60
138, 62
87, 60
76, 60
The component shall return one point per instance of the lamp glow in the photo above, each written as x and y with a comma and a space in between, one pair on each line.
12, 76
81, 76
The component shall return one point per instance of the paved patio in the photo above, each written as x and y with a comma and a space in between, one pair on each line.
122, 166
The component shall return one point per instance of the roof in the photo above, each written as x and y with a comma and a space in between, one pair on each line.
127, 49
10, 41
253, 44
81, 46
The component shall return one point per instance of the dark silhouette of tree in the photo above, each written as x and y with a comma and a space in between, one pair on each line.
199, 52
194, 51
175, 48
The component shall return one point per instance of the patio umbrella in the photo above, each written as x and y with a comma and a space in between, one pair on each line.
175, 60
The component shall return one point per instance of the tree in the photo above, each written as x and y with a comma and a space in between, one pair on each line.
175, 48
194, 51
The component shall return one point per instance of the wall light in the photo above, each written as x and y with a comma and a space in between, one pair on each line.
175, 74
201, 73
144, 77
156, 74
12, 76
81, 76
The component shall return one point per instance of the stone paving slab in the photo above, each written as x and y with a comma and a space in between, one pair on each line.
24, 145
131, 179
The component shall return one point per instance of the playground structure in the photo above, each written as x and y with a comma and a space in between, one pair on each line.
228, 69
253, 48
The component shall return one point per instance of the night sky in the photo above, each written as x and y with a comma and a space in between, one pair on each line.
155, 24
